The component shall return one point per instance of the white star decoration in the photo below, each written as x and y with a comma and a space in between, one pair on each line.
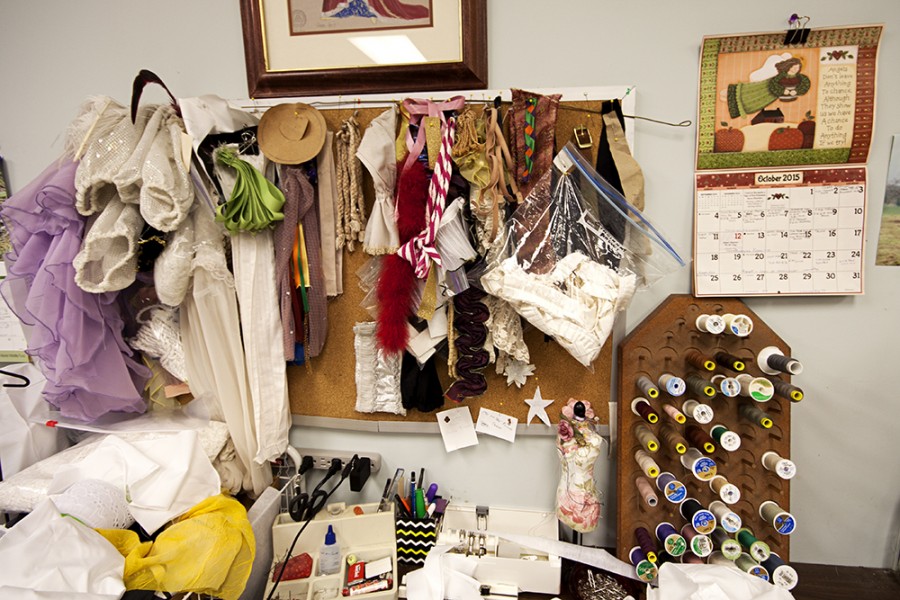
517, 372
537, 408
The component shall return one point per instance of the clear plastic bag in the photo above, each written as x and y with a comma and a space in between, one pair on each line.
574, 254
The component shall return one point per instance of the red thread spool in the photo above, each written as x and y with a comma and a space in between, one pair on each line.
698, 361
700, 439
643, 409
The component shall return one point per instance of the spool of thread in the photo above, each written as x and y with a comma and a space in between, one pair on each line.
699, 544
645, 541
780, 573
702, 413
772, 361
783, 521
728, 492
728, 520
728, 440
645, 570
673, 490
700, 386
758, 549
738, 325
701, 519
647, 464
729, 361
713, 324
756, 415
757, 388
672, 541
647, 387
702, 467
645, 489
646, 437
696, 359
675, 414
787, 390
673, 439
745, 563
673, 385
689, 558
664, 557
699, 438
642, 408
783, 467
728, 546
729, 386
718, 558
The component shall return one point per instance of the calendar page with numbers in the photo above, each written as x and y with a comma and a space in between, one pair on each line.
791, 232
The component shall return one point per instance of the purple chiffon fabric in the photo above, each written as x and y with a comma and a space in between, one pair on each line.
76, 336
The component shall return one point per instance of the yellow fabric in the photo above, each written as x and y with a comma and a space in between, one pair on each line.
428, 304
208, 550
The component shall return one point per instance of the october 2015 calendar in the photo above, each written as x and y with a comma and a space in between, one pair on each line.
790, 232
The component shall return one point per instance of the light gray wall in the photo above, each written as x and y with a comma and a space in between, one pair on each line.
846, 436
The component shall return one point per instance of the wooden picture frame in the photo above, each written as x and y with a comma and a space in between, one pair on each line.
265, 79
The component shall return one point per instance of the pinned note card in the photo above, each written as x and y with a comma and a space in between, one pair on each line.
497, 424
457, 428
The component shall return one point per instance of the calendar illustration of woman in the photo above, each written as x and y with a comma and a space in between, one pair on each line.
786, 84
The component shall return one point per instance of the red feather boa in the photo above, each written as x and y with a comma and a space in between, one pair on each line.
397, 280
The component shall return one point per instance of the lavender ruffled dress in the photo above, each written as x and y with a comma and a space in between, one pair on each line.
76, 336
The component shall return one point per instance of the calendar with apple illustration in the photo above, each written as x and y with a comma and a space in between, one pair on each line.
786, 232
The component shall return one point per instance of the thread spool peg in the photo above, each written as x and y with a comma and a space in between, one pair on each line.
772, 361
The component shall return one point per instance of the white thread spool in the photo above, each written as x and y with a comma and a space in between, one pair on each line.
673, 385
738, 325
728, 492
713, 324
729, 386
647, 464
702, 467
702, 413
729, 520
782, 467
772, 361
757, 388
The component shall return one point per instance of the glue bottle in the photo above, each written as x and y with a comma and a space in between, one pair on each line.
329, 555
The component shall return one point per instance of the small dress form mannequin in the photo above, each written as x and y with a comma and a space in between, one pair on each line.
578, 445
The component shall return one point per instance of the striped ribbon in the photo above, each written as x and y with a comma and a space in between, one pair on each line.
529, 138
420, 250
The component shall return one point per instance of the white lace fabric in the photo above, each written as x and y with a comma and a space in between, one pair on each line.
107, 261
575, 303
160, 337
452, 240
377, 153
377, 374
96, 503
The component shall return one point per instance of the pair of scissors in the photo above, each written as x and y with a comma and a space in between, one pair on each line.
304, 506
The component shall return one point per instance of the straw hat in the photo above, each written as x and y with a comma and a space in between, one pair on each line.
290, 134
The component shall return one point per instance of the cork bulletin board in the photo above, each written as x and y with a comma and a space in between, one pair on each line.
326, 387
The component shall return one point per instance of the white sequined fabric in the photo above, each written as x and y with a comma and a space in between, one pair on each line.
377, 374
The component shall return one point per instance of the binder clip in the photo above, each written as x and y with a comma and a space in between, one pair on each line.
798, 32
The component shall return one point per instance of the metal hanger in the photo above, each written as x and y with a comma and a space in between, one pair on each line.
25, 381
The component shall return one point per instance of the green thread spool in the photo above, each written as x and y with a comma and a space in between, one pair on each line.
758, 549
647, 387
700, 544
756, 415
646, 437
727, 439
700, 386
699, 361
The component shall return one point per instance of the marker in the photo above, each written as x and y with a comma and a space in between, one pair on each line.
431, 493
420, 503
412, 486
403, 505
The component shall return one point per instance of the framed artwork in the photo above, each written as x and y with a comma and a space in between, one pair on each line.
336, 47
765, 103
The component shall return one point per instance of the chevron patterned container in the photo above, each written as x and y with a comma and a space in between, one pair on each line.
414, 539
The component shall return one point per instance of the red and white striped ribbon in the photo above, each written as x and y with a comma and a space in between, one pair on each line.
420, 250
